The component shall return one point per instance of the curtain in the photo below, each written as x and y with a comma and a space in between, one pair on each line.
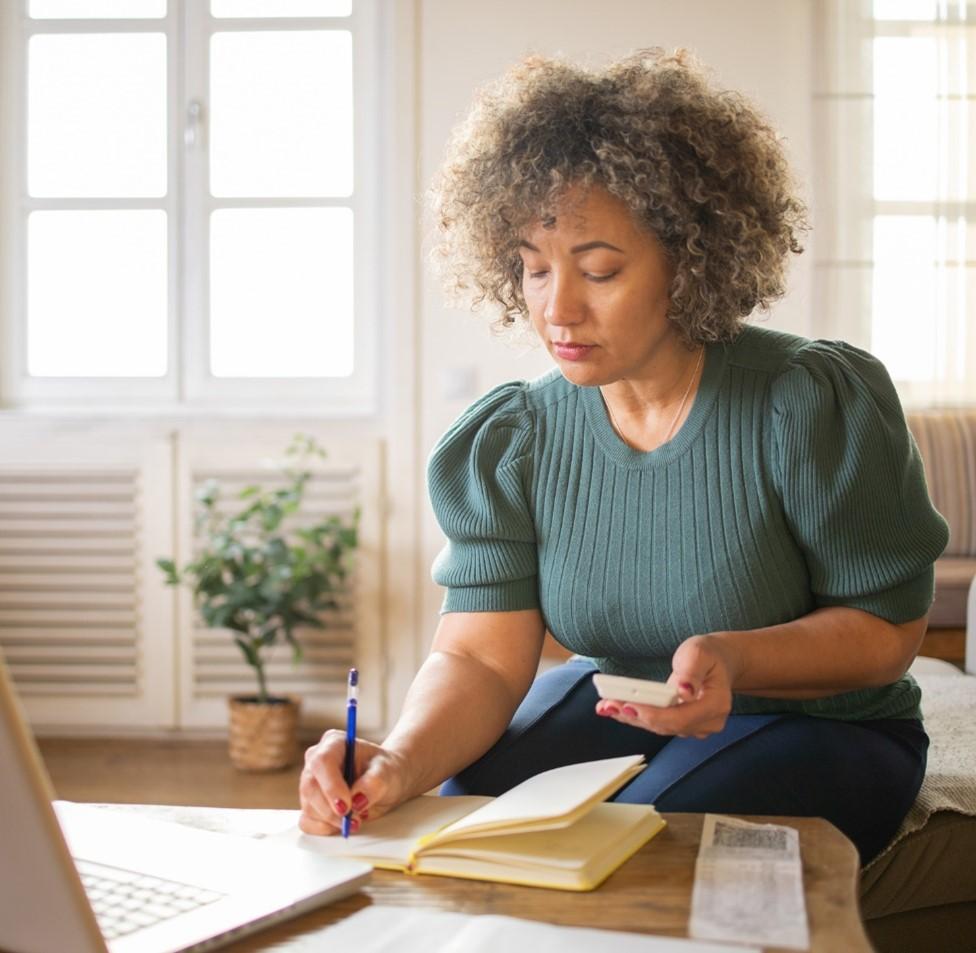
894, 209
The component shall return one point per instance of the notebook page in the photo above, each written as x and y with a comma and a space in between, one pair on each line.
550, 795
393, 837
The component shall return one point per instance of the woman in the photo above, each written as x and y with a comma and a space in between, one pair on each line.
738, 511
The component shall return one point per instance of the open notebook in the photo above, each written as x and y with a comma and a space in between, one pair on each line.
553, 830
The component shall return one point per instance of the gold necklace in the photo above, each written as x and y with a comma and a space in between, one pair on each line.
681, 406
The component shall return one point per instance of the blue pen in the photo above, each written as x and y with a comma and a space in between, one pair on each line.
349, 768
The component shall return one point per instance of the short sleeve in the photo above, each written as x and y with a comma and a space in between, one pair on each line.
852, 483
477, 478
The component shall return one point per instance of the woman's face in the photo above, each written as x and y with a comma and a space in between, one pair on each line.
596, 286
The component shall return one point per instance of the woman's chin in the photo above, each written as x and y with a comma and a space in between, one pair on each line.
583, 375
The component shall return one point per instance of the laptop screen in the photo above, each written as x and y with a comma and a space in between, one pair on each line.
42, 903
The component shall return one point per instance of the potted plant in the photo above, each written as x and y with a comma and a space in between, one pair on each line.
262, 582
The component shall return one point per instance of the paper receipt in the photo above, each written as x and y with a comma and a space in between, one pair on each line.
749, 885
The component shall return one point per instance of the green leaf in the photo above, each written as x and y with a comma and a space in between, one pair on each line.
172, 573
271, 517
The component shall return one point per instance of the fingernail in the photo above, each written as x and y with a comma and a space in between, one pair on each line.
687, 687
364, 816
611, 710
340, 808
354, 824
359, 801
630, 712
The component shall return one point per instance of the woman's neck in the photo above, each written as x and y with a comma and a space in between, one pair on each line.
648, 413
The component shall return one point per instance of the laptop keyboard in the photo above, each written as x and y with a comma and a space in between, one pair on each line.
125, 901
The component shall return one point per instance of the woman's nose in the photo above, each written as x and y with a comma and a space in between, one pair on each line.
563, 303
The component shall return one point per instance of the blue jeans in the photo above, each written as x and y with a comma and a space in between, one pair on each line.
862, 776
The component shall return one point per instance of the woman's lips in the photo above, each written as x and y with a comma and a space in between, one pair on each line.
571, 352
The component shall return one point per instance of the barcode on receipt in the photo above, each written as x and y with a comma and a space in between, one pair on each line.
726, 836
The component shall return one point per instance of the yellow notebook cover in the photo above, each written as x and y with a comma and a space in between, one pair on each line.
553, 830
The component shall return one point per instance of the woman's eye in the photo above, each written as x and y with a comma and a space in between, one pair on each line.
538, 274
599, 278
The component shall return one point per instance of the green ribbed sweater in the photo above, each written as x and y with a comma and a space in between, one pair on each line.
793, 484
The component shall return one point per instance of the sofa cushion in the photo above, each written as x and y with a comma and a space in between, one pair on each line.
953, 574
923, 869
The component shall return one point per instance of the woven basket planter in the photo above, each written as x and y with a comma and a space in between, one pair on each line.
263, 736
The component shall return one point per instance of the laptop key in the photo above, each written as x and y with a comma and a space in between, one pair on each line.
161, 911
146, 882
142, 917
185, 903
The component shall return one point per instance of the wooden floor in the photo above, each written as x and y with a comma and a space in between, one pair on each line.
161, 772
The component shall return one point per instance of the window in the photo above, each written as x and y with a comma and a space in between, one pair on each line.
895, 216
190, 196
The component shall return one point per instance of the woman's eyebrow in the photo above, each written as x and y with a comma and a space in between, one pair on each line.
576, 249
587, 246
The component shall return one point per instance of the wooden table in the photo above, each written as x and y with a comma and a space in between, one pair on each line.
651, 893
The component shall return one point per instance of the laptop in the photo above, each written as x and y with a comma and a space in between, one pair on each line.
75, 878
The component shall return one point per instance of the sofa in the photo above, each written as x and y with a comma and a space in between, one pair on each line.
946, 439
920, 894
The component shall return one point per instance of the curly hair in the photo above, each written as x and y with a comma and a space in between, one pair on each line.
699, 167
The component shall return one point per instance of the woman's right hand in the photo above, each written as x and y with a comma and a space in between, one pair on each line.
381, 784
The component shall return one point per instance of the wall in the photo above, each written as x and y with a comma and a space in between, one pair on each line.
760, 47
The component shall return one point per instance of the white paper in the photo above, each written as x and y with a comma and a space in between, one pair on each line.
244, 822
388, 929
749, 885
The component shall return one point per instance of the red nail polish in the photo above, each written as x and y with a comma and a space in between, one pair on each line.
359, 801
629, 711
354, 824
688, 687
341, 809
364, 816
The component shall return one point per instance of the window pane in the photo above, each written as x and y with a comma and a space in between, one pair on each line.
907, 143
96, 294
904, 9
281, 285
97, 115
281, 113
101, 9
280, 8
905, 306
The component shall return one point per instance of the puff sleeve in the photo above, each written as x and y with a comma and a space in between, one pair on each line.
477, 477
852, 484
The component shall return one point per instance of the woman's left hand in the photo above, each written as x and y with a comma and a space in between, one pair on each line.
702, 674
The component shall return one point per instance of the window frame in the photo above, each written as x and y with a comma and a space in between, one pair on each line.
188, 387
